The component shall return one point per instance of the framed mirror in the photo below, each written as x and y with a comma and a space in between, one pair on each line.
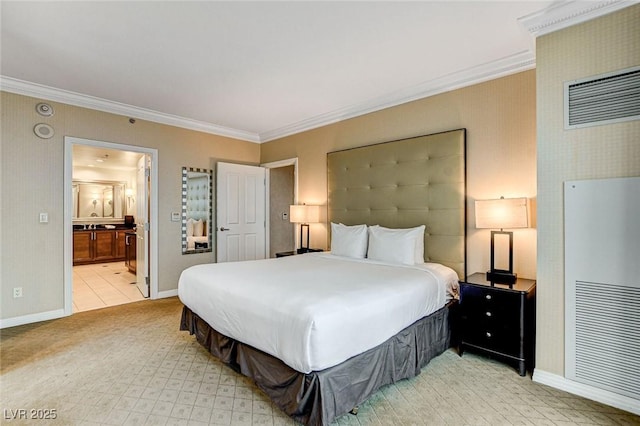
93, 200
196, 210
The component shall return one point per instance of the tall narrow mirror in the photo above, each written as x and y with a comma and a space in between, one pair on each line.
196, 210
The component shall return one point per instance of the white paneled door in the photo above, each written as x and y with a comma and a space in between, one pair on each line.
241, 212
142, 225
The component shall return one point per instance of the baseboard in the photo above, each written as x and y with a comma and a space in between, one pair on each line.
605, 397
167, 293
31, 318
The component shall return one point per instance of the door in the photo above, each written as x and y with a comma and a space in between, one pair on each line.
240, 212
142, 225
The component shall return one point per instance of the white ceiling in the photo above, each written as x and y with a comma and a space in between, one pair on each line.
104, 158
258, 70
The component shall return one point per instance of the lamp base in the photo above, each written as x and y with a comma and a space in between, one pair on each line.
500, 276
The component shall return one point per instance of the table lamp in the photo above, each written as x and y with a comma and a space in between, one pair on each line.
304, 215
500, 214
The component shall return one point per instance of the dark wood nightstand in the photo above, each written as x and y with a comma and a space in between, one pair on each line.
285, 253
291, 253
499, 320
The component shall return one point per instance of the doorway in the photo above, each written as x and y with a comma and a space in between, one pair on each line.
282, 191
105, 241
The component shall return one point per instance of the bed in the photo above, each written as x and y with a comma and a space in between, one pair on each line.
320, 332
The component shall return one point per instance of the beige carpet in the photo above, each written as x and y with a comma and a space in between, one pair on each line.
130, 364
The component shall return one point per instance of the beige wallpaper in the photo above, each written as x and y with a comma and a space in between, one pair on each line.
32, 182
604, 45
499, 116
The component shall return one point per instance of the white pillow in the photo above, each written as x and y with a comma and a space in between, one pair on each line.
397, 245
189, 227
349, 241
198, 228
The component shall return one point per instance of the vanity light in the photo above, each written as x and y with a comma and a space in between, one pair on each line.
129, 193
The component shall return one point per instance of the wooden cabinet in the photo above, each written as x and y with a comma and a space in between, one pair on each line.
82, 247
498, 319
130, 251
99, 245
120, 244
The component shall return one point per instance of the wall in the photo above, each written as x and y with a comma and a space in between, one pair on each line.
603, 45
499, 116
32, 182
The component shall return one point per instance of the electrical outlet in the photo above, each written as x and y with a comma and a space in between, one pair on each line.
17, 292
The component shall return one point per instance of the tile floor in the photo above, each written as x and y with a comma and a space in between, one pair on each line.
103, 284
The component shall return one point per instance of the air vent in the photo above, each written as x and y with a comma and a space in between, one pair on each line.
604, 99
607, 344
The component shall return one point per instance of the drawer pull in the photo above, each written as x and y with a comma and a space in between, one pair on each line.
488, 334
488, 297
488, 314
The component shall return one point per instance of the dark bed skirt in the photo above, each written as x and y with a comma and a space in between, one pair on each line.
319, 397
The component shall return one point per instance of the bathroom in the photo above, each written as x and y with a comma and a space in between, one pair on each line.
105, 249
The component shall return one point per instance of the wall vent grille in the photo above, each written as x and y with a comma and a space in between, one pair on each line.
604, 99
607, 339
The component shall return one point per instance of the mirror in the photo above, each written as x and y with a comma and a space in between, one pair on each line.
98, 200
196, 210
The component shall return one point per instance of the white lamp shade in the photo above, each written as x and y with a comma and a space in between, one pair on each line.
304, 214
503, 213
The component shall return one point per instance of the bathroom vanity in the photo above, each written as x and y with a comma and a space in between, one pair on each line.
98, 245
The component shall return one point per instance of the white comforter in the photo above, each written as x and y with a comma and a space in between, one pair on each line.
316, 310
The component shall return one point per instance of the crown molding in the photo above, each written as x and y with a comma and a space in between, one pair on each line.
21, 87
518, 62
568, 13
556, 17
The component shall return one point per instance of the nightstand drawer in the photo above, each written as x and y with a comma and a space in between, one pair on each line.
502, 339
488, 306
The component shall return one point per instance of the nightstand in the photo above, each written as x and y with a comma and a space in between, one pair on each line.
291, 253
499, 320
285, 253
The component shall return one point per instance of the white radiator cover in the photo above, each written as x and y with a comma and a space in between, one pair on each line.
602, 284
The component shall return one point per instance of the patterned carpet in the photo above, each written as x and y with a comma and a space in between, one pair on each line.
130, 364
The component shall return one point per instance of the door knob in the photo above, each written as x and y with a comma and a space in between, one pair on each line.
222, 228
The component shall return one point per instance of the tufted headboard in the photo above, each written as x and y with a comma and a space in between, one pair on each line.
403, 184
198, 197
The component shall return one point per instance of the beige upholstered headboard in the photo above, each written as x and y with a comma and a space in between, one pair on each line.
403, 184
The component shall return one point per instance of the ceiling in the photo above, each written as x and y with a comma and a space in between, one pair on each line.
258, 70
104, 158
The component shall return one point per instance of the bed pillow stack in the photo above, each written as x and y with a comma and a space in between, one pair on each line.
404, 246
195, 228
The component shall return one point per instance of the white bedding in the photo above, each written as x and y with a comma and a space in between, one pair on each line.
316, 310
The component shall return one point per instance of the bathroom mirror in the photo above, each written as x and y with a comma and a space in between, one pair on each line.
196, 210
98, 200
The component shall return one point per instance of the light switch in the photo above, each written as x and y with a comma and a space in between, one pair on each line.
44, 217
285, 216
175, 217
